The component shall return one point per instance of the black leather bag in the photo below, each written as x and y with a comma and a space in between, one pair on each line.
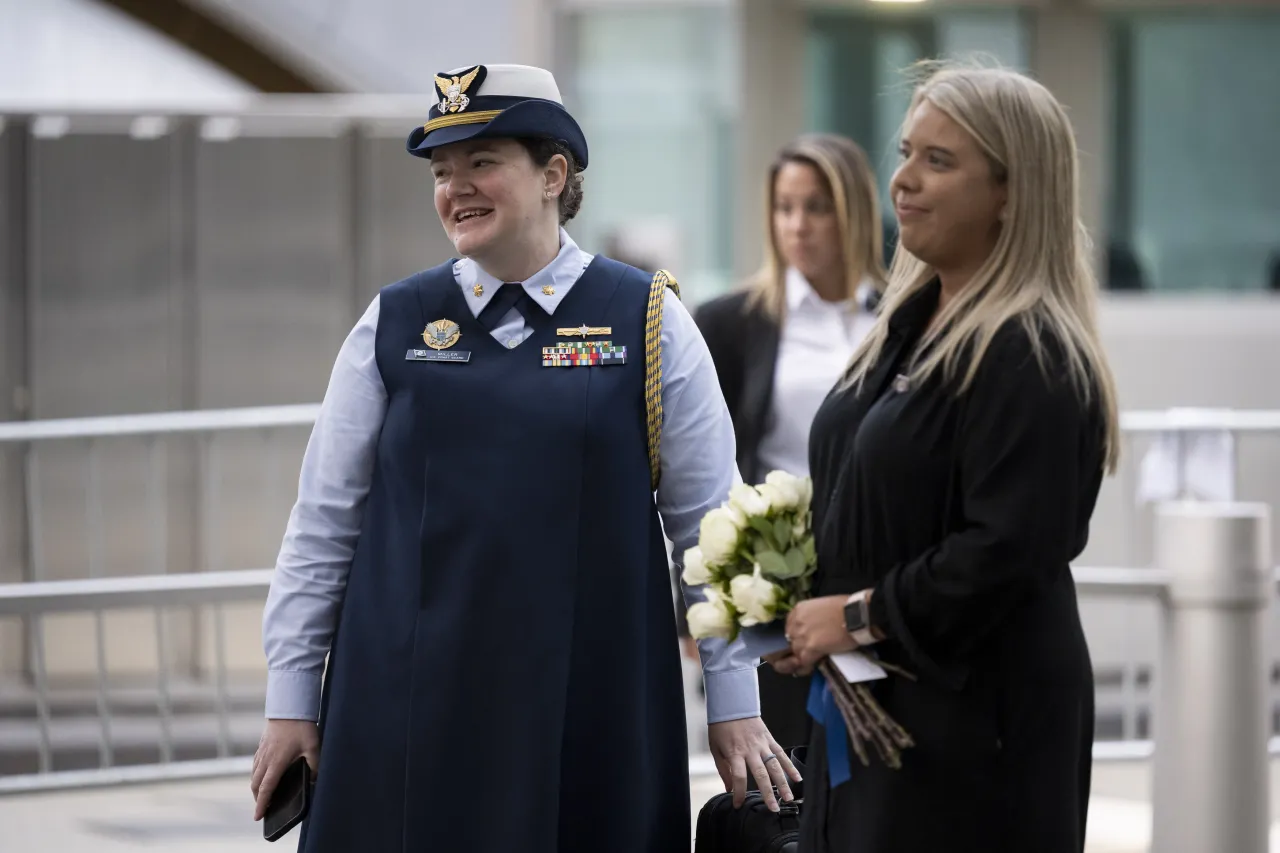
752, 828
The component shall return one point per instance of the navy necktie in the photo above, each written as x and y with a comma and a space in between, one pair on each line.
510, 295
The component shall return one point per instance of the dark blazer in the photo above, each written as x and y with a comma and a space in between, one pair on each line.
744, 346
963, 512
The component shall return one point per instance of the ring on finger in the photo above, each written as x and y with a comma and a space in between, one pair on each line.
769, 757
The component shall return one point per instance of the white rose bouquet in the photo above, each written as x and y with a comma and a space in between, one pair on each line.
755, 558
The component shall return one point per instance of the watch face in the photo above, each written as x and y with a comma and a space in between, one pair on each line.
854, 617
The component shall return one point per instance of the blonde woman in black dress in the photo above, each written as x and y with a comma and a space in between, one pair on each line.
955, 473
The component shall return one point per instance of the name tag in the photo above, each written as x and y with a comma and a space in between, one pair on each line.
460, 356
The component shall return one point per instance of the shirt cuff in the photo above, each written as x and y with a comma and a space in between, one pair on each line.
293, 695
733, 695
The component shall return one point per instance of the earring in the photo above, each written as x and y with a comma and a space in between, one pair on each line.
550, 194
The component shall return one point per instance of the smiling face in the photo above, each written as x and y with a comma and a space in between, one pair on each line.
492, 198
946, 197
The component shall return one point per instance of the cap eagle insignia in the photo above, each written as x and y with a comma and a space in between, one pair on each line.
453, 90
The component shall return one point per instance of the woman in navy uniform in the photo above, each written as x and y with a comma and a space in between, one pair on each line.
477, 543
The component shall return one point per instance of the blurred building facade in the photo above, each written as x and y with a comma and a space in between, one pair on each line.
171, 239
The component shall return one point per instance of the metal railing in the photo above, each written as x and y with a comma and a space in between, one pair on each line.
33, 602
189, 588
98, 437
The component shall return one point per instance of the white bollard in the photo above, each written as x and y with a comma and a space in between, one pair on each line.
1212, 720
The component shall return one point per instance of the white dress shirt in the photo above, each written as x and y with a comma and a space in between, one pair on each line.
698, 468
815, 344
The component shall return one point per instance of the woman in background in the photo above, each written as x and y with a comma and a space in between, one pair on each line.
781, 342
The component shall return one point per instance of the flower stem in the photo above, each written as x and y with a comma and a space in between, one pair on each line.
864, 718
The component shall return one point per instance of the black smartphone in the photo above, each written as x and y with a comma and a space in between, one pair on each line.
289, 802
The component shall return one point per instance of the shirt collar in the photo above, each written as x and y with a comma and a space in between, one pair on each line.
800, 293
559, 276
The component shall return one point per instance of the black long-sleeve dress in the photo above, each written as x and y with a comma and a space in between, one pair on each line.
962, 513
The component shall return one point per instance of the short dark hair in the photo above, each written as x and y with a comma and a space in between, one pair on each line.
542, 150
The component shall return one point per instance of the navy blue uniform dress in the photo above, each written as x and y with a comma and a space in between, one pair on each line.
509, 591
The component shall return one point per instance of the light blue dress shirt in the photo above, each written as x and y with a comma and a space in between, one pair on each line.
698, 469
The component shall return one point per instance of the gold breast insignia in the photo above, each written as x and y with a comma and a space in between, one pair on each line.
584, 330
441, 334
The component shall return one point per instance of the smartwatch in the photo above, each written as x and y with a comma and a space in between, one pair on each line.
857, 619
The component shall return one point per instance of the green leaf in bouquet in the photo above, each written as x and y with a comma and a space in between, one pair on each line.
762, 526
809, 549
782, 533
774, 564
796, 562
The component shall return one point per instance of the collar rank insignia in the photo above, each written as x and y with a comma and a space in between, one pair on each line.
441, 334
453, 89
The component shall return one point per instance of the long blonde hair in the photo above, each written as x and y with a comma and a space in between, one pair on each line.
845, 169
1040, 272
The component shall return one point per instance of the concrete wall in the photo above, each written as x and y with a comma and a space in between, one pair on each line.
1179, 351
13, 322
194, 274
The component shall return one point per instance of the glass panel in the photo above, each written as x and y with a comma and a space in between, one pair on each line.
653, 91
855, 62
1000, 35
1197, 198
895, 51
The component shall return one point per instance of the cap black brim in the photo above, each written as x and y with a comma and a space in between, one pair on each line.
532, 118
